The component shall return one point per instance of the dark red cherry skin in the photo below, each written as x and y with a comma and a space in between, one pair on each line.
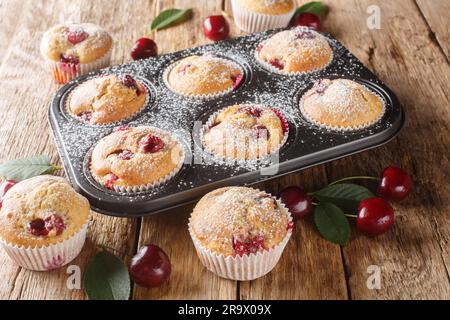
144, 49
375, 217
4, 188
150, 267
307, 20
38, 228
395, 184
216, 28
297, 201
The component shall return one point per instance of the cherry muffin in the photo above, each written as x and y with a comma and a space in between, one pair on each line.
136, 159
108, 99
341, 104
240, 233
260, 15
245, 132
203, 76
298, 50
44, 223
75, 49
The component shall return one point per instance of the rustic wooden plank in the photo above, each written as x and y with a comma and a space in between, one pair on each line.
26, 92
310, 268
189, 279
9, 23
414, 256
436, 13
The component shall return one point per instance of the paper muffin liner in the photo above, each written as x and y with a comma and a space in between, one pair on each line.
344, 129
246, 267
202, 97
218, 158
63, 76
109, 124
148, 186
272, 69
250, 21
49, 257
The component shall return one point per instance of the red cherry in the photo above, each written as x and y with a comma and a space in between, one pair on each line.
259, 131
251, 111
247, 246
151, 144
77, 36
37, 228
55, 222
150, 267
307, 20
143, 49
216, 28
276, 63
375, 216
4, 188
111, 181
395, 184
297, 201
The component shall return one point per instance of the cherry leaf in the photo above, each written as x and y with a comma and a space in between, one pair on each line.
314, 7
332, 223
25, 168
346, 196
170, 17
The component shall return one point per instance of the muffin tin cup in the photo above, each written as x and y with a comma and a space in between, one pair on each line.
250, 21
48, 257
242, 268
64, 76
344, 129
201, 97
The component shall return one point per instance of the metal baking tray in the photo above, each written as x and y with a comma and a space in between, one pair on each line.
307, 144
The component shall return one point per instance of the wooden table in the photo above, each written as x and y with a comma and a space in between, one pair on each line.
410, 53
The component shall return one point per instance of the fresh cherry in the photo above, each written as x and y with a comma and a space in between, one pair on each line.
216, 28
4, 188
308, 20
77, 36
297, 201
375, 216
151, 144
247, 246
38, 228
55, 222
143, 49
276, 63
150, 267
259, 131
111, 181
395, 184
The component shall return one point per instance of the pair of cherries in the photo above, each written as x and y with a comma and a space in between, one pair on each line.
375, 215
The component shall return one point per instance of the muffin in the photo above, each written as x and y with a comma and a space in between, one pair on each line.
203, 76
260, 15
341, 104
245, 132
240, 233
298, 50
108, 99
44, 223
72, 50
136, 159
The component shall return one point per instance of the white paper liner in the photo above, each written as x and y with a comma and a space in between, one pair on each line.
109, 124
246, 267
146, 187
345, 129
62, 76
250, 21
219, 158
49, 257
272, 69
202, 97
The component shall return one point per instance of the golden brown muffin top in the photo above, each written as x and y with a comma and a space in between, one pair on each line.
203, 75
86, 42
245, 132
135, 157
107, 99
41, 211
341, 104
269, 7
238, 221
297, 50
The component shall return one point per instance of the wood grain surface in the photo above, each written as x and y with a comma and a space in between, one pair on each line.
410, 53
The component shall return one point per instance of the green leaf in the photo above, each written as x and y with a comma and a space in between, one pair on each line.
315, 7
346, 196
332, 223
170, 17
22, 169
107, 278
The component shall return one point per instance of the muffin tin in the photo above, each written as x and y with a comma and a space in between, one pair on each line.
306, 146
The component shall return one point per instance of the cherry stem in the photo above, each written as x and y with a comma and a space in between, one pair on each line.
354, 178
57, 168
351, 215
